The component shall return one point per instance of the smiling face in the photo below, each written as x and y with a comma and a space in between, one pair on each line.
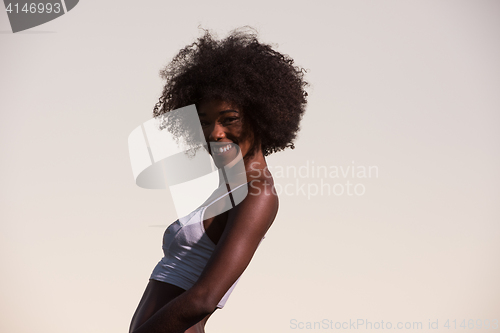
223, 130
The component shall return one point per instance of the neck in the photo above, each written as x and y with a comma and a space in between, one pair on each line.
255, 165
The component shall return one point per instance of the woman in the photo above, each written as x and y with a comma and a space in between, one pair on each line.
250, 100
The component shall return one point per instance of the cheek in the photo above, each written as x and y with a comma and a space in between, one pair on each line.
206, 134
239, 131
246, 137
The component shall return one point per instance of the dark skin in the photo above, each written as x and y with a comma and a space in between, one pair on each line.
237, 233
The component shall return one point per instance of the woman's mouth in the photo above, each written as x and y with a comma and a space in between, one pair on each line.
221, 150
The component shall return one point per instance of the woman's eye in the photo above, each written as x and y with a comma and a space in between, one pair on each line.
231, 119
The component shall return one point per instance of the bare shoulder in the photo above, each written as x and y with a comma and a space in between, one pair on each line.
262, 189
260, 206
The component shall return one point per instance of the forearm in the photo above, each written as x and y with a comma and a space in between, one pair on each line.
176, 316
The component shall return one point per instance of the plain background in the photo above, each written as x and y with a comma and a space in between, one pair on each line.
410, 87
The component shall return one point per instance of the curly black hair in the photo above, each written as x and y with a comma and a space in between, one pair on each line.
265, 84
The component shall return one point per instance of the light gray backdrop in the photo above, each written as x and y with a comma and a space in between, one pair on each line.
409, 88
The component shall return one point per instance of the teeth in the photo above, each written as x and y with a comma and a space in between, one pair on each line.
223, 149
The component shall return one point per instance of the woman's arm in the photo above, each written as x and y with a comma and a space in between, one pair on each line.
246, 225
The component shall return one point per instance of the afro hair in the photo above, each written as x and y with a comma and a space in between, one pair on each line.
265, 84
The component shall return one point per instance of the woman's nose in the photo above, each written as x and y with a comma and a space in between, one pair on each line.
217, 133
